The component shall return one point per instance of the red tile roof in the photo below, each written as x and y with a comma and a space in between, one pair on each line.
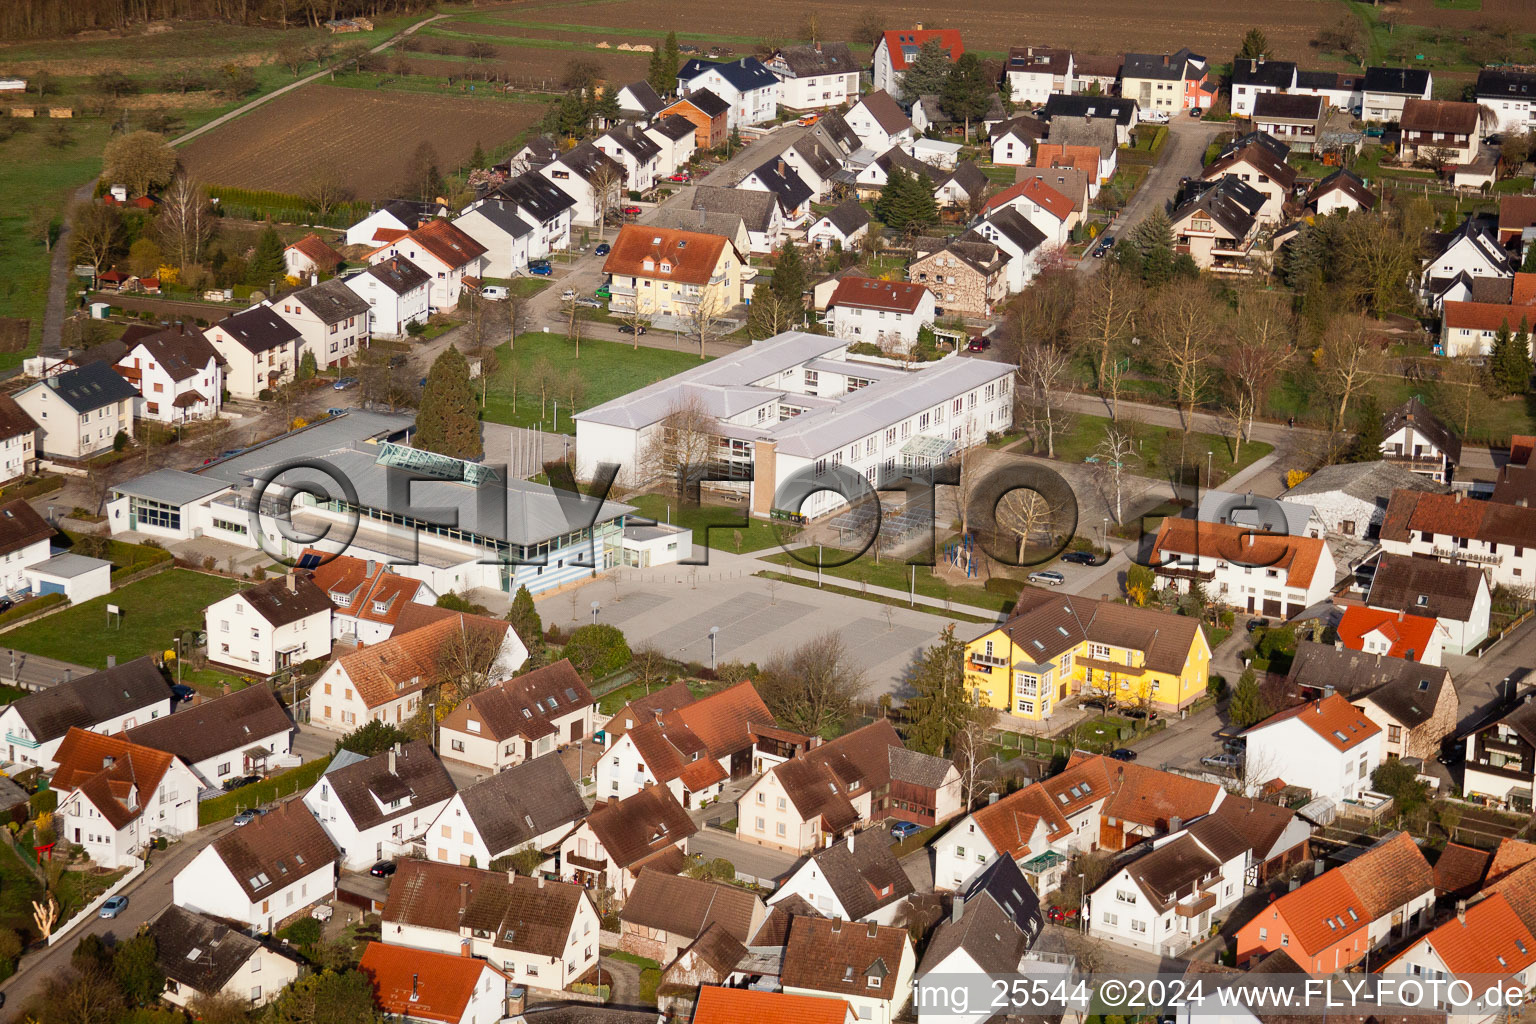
1410, 635
1333, 718
346, 577
1461, 869
1487, 316
407, 661
872, 293
1454, 515
440, 238
118, 777
1037, 192
1489, 938
749, 1006
1297, 556
1319, 913
1511, 855
1084, 158
673, 255
949, 40
421, 984
320, 254
689, 742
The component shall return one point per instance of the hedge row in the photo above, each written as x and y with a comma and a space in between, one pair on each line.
264, 792
27, 609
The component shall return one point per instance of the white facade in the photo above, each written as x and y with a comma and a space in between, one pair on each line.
470, 746
823, 233
159, 391
1036, 83
748, 107
13, 565
640, 171
207, 885
1388, 106
362, 847
170, 811
213, 771
65, 433
871, 132
570, 182
869, 1007
18, 454
816, 92
330, 343
1516, 112
447, 281
1023, 264
1408, 441
258, 981
22, 747
390, 313
1013, 150
622, 772
675, 153
79, 586
1261, 589
1504, 564
1121, 911
879, 326
363, 231
1289, 749
506, 254
454, 837
1473, 253
808, 882
241, 637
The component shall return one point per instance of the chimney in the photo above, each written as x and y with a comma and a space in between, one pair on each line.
415, 993
463, 897
394, 752
1318, 867
1522, 503
1165, 60
781, 166
1458, 497
67, 673
956, 909
874, 930
372, 565
1317, 707
1295, 884
1461, 912
511, 875
1253, 66
293, 583
1175, 824
837, 925
314, 278
1261, 58
993, 798
108, 761
541, 881
1328, 690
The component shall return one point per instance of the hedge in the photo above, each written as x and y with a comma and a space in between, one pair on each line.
263, 792
32, 487
28, 609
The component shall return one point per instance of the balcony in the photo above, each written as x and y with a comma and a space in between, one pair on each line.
1195, 906
1464, 555
990, 660
1174, 572
22, 741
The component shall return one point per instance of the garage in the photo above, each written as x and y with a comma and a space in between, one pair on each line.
1272, 607
77, 577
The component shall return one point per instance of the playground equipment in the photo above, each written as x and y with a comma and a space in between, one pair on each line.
961, 554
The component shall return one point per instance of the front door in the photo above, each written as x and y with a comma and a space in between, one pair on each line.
578, 730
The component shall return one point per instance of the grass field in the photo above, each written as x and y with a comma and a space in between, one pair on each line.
1161, 448
18, 887
605, 370
894, 574
154, 609
756, 535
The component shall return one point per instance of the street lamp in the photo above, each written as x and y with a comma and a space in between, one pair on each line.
712, 631
1104, 534
1082, 902
178, 659
1209, 455
596, 606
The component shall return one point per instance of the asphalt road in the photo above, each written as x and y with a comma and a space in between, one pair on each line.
33, 671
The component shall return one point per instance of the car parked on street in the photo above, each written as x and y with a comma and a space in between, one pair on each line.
1102, 249
681, 176
1226, 762
631, 329
631, 211
1078, 557
979, 343
114, 906
1049, 578
249, 815
383, 869
344, 383
493, 291
541, 268
603, 249
181, 693
603, 292
1123, 754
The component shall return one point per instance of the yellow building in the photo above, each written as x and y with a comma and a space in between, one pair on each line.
667, 272
1056, 646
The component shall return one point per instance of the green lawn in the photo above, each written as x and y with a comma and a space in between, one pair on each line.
1161, 448
894, 574
154, 609
606, 370
756, 535
18, 886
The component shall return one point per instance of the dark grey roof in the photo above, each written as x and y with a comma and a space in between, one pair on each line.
411, 774
1426, 586
821, 59
1082, 131
709, 104
673, 126
10, 794
1170, 66
1327, 80
90, 700
1277, 149
1402, 81
537, 196
332, 301
502, 215
1351, 184
817, 155
199, 952
997, 922
523, 802
744, 74
411, 212
1406, 690
848, 216
1024, 126
898, 157
864, 878
1257, 154
634, 141
182, 351
834, 129
917, 768
208, 728
968, 176
886, 111
287, 599
1275, 74
259, 329
1229, 202
1017, 228
399, 274
1424, 422
1365, 481
1505, 84
1292, 106
753, 207
783, 182
172, 486
586, 158
705, 222
650, 101
90, 387
1058, 105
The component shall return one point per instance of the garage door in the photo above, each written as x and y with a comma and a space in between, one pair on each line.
45, 587
1292, 610
1271, 607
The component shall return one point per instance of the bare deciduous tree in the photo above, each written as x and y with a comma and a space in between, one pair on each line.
1107, 314
683, 443
1116, 453
812, 688
96, 234
185, 223
1185, 321
705, 316
467, 662
1042, 369
325, 189
606, 181
1026, 514
1348, 360
1262, 341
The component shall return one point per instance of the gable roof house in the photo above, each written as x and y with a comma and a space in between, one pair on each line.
1122, 111
115, 797
177, 374
1013, 141
1052, 211
791, 190
259, 350
709, 114
396, 215
636, 151
746, 84
966, 278
1260, 168
1386, 91
332, 320
1088, 132
897, 48
879, 122
1324, 745
497, 226
817, 76
201, 958
270, 627
1500, 765
853, 880
543, 934
1253, 77
639, 101
309, 255
532, 805
434, 988
384, 682
1332, 922
262, 873
729, 226
378, 807
1460, 531
620, 838
1019, 239
964, 184
574, 172
1168, 82
666, 272
666, 912
990, 931
1264, 573
1455, 596
871, 966
79, 412
1440, 130
817, 162
871, 178
1351, 498
1418, 440
1414, 704
545, 205
889, 314
1395, 634
693, 750
367, 598
107, 702
674, 138
18, 440
1296, 119
759, 212
241, 733
447, 253
1486, 939
1035, 73
517, 720
1218, 225
1342, 190
1453, 259
843, 227
741, 1005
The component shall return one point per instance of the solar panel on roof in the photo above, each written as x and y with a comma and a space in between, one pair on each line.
310, 561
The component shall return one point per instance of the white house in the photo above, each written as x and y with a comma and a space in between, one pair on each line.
398, 294
1486, 939
105, 702
532, 805
611, 846
1386, 90
1262, 169
636, 152
332, 321
1456, 596
116, 797
676, 137
899, 47
1051, 212
259, 349
75, 576
18, 440
759, 212
869, 965
1253, 77
576, 173
309, 255
543, 934
375, 808
446, 253
80, 412
262, 873
397, 217
495, 224
1350, 499
242, 733
1016, 236
843, 227
270, 627
1014, 140
25, 540
177, 373
816, 76
637, 100
517, 720
1511, 95
1455, 529
1472, 250
745, 83
1416, 439
423, 987
1165, 900
368, 596
879, 122
793, 193
1343, 190
888, 314
1323, 745
546, 206
857, 879
1261, 573
1035, 73
201, 958
384, 682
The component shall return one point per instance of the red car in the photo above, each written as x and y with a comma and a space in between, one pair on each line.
1059, 915
681, 176
631, 211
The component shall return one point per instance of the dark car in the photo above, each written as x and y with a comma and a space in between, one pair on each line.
1453, 751
631, 328
1235, 745
980, 344
603, 249
247, 816
1123, 754
182, 693
344, 383
1078, 558
1105, 244
397, 360
383, 869
244, 780
1257, 624
6, 604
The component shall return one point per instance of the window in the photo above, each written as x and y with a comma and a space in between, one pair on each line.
224, 769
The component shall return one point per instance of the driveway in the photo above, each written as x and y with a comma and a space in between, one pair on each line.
748, 858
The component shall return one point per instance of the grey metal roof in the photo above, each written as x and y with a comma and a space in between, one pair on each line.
69, 565
89, 387
1259, 513
172, 486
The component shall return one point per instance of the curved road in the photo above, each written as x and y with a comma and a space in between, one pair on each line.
60, 267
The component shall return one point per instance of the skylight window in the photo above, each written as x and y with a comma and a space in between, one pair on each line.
1087, 787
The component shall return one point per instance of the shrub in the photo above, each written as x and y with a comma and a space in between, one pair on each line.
598, 650
23, 611
264, 395
303, 932
415, 328
120, 441
309, 667
44, 801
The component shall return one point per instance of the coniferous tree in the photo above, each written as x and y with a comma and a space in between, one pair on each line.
527, 625
266, 263
1509, 363
656, 74
1528, 266
672, 61
927, 72
968, 92
1255, 45
477, 158
788, 282
447, 422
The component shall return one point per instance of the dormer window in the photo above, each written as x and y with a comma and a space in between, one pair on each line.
666, 266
